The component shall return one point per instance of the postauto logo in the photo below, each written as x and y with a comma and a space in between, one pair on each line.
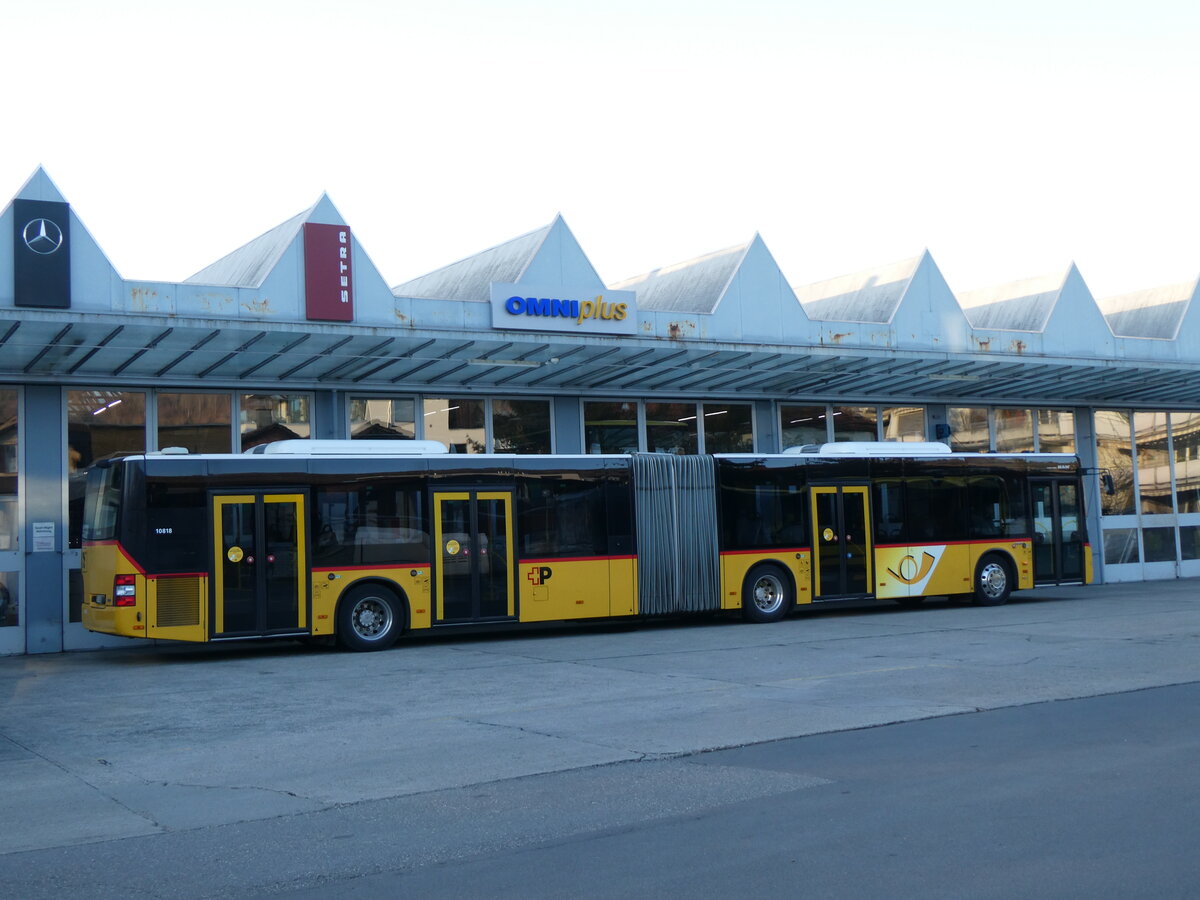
538, 308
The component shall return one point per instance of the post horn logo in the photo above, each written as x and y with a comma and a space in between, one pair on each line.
42, 236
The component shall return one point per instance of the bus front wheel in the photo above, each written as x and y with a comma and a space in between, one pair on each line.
993, 581
369, 618
766, 594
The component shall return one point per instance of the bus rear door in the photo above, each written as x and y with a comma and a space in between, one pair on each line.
842, 549
1058, 546
473, 576
260, 565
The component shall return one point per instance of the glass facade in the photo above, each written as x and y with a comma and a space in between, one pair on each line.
855, 423
458, 422
671, 427
800, 425
202, 423
521, 426
728, 427
611, 427
273, 417
969, 429
383, 418
9, 483
903, 423
1014, 431
100, 425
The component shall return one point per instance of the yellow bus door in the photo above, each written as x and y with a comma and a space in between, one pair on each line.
473, 576
260, 565
842, 545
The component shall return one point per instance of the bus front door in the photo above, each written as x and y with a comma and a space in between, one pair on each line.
841, 542
1057, 531
473, 531
260, 568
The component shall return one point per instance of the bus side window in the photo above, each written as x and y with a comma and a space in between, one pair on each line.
889, 512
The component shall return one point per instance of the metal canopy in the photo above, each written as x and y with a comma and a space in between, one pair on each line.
103, 350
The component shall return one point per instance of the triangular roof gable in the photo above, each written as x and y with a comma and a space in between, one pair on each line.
1157, 313
870, 296
757, 303
928, 313
96, 284
1076, 327
560, 263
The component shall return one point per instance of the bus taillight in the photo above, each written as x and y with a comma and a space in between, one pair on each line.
125, 590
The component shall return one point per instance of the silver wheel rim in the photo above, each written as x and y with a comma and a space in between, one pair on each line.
371, 618
768, 593
993, 580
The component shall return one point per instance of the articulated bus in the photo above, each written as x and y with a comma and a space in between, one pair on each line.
361, 541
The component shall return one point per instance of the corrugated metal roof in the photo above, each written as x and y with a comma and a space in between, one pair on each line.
1023, 305
471, 278
694, 286
872, 295
251, 263
1152, 313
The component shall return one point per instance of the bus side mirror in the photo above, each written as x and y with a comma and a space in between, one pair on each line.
1106, 479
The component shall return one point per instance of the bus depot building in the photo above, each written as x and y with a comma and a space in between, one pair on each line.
525, 349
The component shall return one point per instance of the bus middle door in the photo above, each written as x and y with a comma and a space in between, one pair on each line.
259, 566
473, 578
842, 548
1057, 537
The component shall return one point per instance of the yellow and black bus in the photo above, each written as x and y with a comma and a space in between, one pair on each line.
364, 540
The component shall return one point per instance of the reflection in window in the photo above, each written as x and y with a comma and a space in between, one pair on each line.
968, 429
100, 425
855, 423
10, 607
728, 428
1185, 439
8, 470
1114, 453
671, 427
521, 426
1056, 431
202, 423
1121, 546
800, 425
382, 418
1158, 544
903, 423
610, 427
457, 422
1189, 541
273, 417
1153, 463
1014, 431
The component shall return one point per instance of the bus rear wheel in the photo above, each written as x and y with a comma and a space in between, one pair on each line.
766, 594
369, 618
993, 581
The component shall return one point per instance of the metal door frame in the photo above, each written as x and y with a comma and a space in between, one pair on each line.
472, 495
839, 490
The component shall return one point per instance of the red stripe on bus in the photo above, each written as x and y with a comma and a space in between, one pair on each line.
1008, 540
563, 559
367, 568
771, 550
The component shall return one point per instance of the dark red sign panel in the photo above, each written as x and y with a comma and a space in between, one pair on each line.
328, 279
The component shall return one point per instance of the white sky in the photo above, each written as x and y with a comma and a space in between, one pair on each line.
1009, 138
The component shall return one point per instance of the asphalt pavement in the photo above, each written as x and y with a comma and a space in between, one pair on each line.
217, 770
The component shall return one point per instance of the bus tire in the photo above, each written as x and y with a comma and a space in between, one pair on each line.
767, 594
369, 617
993, 580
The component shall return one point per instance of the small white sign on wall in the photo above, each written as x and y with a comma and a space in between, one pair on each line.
43, 537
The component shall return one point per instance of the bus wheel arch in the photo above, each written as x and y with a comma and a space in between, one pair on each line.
371, 615
995, 575
768, 593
